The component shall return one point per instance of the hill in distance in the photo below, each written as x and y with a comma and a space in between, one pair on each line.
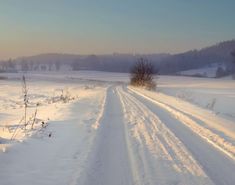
164, 63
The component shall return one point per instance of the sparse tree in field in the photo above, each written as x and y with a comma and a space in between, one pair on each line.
75, 65
50, 64
43, 67
233, 64
142, 74
10, 65
220, 72
57, 65
4, 65
25, 100
24, 65
31, 65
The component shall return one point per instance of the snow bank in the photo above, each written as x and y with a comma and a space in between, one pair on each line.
212, 128
58, 153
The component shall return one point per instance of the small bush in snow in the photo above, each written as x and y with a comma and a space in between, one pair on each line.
142, 74
211, 104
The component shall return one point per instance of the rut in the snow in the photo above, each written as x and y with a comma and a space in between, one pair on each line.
109, 162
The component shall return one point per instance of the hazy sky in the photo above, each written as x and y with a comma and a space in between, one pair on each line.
29, 27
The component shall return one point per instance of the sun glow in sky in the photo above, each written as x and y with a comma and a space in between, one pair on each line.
31, 27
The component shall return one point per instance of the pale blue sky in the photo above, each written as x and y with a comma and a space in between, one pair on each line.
31, 27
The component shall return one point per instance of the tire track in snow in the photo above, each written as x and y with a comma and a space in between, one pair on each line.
109, 159
158, 156
216, 164
98, 120
212, 138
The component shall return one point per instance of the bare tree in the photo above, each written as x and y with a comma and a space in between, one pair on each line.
142, 74
75, 65
233, 64
24, 65
57, 65
10, 65
220, 72
50, 64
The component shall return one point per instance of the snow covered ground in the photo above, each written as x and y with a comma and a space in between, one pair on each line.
207, 71
204, 72
109, 133
216, 95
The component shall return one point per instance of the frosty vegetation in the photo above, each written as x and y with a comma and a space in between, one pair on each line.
29, 121
142, 74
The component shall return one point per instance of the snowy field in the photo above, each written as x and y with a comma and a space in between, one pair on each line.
92, 128
205, 71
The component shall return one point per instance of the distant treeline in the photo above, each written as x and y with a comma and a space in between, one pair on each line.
163, 63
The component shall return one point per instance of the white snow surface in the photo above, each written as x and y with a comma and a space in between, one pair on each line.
206, 72
111, 133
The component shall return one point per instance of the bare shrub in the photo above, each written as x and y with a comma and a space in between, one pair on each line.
220, 72
34, 116
65, 96
211, 104
142, 74
25, 99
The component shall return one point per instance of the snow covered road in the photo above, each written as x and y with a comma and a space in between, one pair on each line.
217, 165
124, 136
109, 161
133, 146
159, 156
